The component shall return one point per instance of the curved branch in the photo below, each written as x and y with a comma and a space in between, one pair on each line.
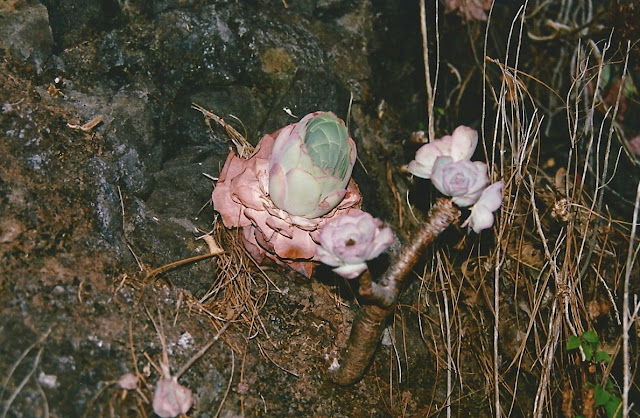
370, 320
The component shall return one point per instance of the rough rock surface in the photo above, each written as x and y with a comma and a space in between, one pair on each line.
77, 202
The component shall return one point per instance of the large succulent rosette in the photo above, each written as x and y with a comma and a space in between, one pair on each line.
242, 198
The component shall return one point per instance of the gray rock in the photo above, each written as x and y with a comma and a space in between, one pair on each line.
25, 31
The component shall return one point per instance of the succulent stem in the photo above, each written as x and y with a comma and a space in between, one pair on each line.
381, 298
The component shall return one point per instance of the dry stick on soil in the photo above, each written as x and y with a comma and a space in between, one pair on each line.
370, 319
179, 263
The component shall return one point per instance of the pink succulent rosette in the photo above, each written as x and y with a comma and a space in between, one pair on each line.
463, 180
447, 163
349, 241
171, 399
241, 196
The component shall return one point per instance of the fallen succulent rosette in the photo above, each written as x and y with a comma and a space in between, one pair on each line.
348, 241
171, 399
308, 183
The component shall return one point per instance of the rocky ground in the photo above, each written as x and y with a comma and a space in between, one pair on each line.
87, 211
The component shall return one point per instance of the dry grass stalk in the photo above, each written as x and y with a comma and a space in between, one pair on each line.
629, 311
235, 287
556, 265
9, 373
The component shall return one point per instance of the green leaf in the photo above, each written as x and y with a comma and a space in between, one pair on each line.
602, 356
611, 407
605, 75
588, 352
327, 142
602, 396
573, 343
629, 88
590, 337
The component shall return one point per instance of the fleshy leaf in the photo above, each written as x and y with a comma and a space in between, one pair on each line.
350, 271
303, 192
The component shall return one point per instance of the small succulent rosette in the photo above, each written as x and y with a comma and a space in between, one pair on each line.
447, 163
348, 241
463, 180
296, 180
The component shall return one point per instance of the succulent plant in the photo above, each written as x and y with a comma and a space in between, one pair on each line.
244, 195
171, 399
463, 180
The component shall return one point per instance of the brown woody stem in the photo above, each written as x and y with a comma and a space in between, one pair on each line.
370, 321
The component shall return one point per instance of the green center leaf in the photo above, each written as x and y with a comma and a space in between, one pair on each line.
327, 142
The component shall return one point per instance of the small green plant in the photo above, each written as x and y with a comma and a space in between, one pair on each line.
606, 396
590, 343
